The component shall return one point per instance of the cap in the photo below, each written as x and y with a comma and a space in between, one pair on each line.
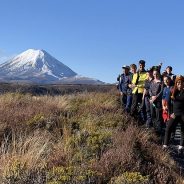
142, 62
125, 66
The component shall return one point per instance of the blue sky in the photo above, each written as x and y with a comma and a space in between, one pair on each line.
96, 37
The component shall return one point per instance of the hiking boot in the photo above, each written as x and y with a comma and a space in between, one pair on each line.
165, 148
181, 153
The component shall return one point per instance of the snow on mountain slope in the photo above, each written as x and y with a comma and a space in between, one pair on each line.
36, 62
39, 67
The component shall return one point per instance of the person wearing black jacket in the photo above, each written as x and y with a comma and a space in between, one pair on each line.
178, 113
146, 98
155, 92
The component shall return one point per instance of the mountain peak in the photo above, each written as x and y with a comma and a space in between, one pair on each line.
38, 66
31, 54
35, 51
32, 50
36, 62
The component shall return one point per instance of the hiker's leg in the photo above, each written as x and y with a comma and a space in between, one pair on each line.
171, 124
182, 131
128, 103
158, 111
148, 112
123, 100
141, 110
134, 105
153, 114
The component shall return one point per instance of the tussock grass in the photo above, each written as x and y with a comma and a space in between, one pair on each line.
78, 138
17, 110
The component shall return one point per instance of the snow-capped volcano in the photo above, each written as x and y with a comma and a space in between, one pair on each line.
35, 63
40, 67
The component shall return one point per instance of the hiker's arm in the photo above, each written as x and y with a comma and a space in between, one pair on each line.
141, 85
132, 84
144, 93
161, 91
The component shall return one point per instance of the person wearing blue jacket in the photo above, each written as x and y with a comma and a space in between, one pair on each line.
166, 96
125, 91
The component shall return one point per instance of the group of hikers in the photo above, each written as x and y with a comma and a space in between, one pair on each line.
153, 98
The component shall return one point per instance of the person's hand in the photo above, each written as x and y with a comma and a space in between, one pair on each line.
165, 108
130, 85
133, 85
173, 116
153, 98
121, 93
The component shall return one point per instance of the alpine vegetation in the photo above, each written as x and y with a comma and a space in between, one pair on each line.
81, 138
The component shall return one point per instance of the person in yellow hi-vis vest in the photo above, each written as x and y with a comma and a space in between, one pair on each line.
137, 86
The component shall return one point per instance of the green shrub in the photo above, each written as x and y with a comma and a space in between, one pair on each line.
37, 120
71, 174
130, 178
14, 171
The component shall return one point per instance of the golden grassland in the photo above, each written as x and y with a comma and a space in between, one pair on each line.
78, 138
